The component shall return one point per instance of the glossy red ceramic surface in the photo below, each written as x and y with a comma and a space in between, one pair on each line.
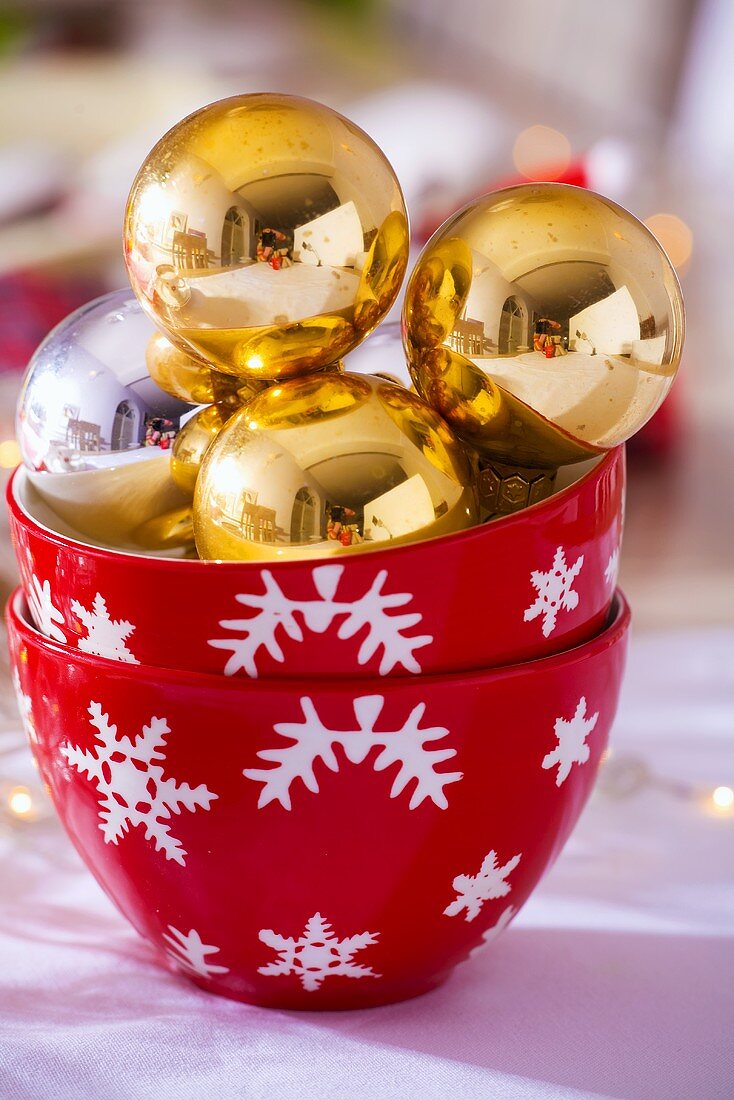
523, 587
318, 844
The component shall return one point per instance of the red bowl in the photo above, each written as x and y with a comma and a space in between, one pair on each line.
318, 844
522, 587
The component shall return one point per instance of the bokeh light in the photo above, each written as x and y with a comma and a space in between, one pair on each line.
541, 153
722, 799
20, 801
10, 455
674, 235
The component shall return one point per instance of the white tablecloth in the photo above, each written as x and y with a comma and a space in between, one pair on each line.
616, 980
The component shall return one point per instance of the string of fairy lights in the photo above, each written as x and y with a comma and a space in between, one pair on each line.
622, 776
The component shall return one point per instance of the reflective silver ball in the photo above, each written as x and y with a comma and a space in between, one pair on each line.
95, 431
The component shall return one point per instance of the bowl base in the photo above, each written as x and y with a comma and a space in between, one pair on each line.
323, 1000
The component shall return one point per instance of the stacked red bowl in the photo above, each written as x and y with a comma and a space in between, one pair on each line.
323, 785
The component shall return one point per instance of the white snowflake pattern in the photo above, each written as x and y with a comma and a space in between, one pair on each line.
555, 591
25, 708
312, 740
473, 890
275, 612
571, 748
494, 930
106, 637
317, 954
612, 568
129, 777
190, 952
44, 612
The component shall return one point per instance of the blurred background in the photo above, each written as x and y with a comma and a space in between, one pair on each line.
633, 99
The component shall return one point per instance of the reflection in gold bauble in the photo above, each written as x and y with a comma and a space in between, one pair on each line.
545, 323
168, 531
329, 464
192, 443
267, 235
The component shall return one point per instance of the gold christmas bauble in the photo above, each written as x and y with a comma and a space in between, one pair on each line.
330, 464
545, 323
192, 443
191, 380
267, 235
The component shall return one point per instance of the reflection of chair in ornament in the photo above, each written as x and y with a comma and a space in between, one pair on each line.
189, 251
255, 522
81, 435
467, 336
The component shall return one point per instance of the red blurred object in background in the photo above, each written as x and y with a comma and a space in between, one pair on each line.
30, 306
432, 218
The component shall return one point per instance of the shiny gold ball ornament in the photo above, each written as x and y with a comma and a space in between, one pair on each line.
330, 464
192, 443
545, 323
266, 235
193, 381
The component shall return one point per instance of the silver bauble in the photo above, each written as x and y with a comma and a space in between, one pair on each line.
96, 432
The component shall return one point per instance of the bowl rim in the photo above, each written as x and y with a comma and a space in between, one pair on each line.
612, 633
613, 457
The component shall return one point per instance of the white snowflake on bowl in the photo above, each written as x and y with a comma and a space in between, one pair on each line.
106, 637
44, 612
317, 954
491, 933
473, 890
571, 748
612, 568
313, 740
190, 953
275, 613
555, 591
25, 708
129, 777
